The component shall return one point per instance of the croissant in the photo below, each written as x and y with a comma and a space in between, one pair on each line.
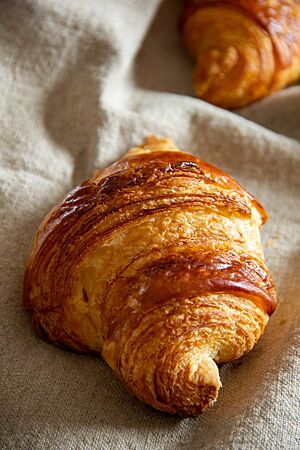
244, 49
156, 263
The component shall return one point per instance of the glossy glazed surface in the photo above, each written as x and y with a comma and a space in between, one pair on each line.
155, 262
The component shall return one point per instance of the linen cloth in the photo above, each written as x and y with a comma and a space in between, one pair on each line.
81, 82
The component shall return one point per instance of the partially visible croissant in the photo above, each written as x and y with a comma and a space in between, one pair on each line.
156, 263
245, 49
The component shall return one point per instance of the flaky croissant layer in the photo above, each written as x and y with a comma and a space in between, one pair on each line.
156, 263
244, 49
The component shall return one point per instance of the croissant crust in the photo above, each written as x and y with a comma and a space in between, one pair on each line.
156, 263
244, 49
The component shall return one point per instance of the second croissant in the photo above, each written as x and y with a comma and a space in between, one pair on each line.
244, 49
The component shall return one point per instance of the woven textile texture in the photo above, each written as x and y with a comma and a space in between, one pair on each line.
81, 82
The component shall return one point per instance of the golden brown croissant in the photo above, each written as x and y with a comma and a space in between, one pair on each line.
156, 263
245, 49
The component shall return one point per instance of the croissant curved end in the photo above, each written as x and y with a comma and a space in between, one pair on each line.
194, 387
211, 64
153, 143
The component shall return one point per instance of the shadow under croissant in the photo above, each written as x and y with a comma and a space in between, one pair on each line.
94, 376
249, 381
251, 373
162, 63
83, 390
269, 112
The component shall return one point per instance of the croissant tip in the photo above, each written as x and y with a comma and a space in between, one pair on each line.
153, 143
156, 143
192, 389
208, 396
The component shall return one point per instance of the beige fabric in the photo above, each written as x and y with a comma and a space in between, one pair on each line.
81, 82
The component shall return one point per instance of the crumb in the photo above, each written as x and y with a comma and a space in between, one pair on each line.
282, 321
272, 241
269, 243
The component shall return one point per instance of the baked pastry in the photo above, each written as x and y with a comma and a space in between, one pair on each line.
156, 263
244, 49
